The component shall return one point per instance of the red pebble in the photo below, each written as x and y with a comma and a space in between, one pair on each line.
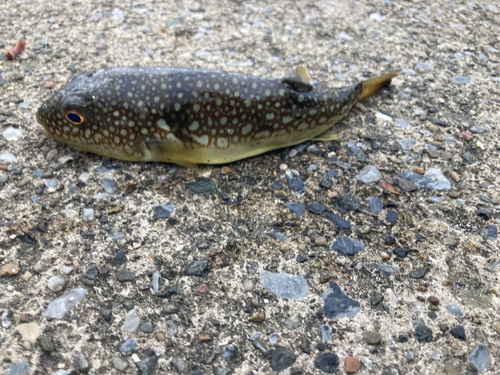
203, 289
433, 300
16, 51
467, 135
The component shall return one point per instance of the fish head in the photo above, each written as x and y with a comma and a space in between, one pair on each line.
81, 115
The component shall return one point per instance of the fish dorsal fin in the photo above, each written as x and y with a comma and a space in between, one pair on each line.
299, 82
302, 73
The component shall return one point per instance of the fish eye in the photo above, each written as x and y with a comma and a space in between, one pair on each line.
75, 117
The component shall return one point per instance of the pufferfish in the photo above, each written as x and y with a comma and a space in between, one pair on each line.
191, 116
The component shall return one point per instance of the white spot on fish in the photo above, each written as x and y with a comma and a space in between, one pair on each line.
223, 121
179, 95
269, 116
203, 140
162, 124
263, 134
246, 129
222, 142
194, 126
287, 119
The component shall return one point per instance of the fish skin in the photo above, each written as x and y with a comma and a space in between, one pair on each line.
191, 116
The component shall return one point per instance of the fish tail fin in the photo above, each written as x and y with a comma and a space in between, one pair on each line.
371, 86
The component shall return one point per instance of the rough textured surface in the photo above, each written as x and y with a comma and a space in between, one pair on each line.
58, 217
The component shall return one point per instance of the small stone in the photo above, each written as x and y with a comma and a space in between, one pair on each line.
125, 275
277, 236
10, 269
164, 211
443, 327
484, 213
376, 205
422, 332
131, 322
88, 214
400, 252
352, 365
372, 337
317, 209
338, 305
60, 306
419, 272
480, 358
82, 364
386, 270
467, 135
458, 332
455, 310
320, 241
198, 267
248, 284
282, 359
202, 289
18, 368
433, 179
296, 208
179, 364
128, 346
284, 285
338, 221
57, 283
120, 363
376, 298
369, 174
260, 347
384, 255
258, 318
407, 185
293, 322
202, 185
450, 240
491, 232
392, 217
347, 246
433, 300
327, 362
91, 272
147, 328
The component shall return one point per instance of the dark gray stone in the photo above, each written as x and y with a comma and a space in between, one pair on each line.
407, 185
82, 365
337, 305
282, 359
202, 185
164, 211
327, 362
92, 272
277, 236
347, 246
317, 209
376, 205
338, 221
432, 179
295, 183
147, 327
197, 268
296, 208
458, 332
125, 275
480, 358
422, 332
386, 270
419, 272
376, 298
147, 366
392, 217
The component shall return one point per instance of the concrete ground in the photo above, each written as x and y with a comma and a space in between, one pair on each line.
60, 230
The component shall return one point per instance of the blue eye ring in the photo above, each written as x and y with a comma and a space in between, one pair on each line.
75, 117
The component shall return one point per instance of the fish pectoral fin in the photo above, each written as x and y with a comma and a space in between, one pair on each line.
164, 151
329, 135
302, 73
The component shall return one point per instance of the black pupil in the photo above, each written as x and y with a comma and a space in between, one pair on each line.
73, 117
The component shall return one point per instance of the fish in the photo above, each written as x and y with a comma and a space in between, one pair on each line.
194, 116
